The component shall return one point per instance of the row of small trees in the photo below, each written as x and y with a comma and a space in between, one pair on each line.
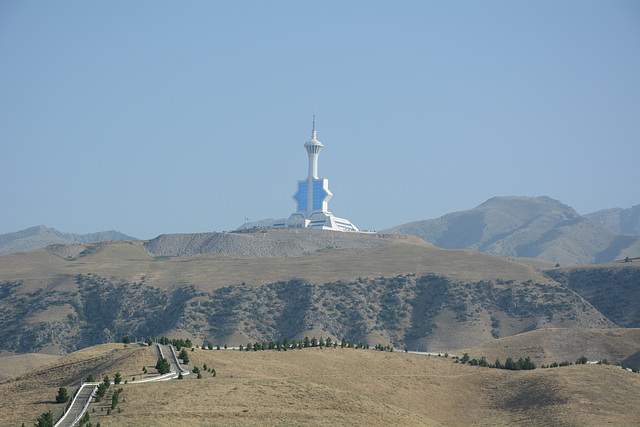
509, 364
284, 345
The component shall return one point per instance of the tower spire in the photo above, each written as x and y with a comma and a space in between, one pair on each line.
313, 131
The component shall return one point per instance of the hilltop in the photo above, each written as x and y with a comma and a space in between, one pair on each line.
41, 236
368, 287
530, 227
331, 386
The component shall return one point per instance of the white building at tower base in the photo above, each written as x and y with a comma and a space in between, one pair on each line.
312, 197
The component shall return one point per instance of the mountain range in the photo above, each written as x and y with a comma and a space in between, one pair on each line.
530, 227
618, 220
41, 236
265, 284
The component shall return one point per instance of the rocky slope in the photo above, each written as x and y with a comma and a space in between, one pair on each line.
266, 242
532, 227
618, 220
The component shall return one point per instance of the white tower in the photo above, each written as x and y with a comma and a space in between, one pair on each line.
313, 147
313, 195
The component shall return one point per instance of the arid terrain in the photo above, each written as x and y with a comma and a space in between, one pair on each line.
330, 386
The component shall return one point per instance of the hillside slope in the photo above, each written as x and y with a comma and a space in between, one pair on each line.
41, 236
545, 346
530, 227
406, 292
332, 386
614, 289
618, 220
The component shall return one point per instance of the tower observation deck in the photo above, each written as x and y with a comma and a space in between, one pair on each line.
313, 195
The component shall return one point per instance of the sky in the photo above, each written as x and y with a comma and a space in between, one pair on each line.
153, 117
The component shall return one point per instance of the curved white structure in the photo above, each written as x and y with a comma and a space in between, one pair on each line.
313, 195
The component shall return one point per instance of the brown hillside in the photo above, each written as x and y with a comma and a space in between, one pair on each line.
407, 293
360, 387
128, 261
33, 393
546, 346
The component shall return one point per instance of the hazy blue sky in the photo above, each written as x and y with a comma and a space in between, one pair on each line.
162, 117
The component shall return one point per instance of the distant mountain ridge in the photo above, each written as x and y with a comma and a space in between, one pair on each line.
618, 220
533, 227
41, 236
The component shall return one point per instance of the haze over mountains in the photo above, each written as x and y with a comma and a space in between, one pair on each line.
41, 236
531, 227
618, 220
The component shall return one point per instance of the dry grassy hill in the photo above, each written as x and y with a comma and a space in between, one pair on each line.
614, 289
41, 236
373, 288
336, 387
545, 346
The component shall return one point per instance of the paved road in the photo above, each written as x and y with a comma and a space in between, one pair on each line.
78, 405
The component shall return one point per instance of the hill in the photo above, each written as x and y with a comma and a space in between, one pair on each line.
384, 289
614, 289
332, 386
268, 242
41, 236
545, 346
618, 220
529, 227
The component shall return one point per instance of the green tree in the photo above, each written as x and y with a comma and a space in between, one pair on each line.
45, 420
184, 356
329, 342
117, 379
126, 340
63, 396
90, 379
465, 358
343, 343
582, 360
115, 399
106, 381
498, 364
188, 343
285, 344
307, 342
163, 366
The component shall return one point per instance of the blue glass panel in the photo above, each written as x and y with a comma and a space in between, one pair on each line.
302, 195
318, 194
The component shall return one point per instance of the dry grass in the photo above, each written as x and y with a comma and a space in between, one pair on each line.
546, 346
129, 262
29, 395
349, 387
12, 365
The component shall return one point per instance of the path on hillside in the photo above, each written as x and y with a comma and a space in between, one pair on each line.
78, 405
85, 393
